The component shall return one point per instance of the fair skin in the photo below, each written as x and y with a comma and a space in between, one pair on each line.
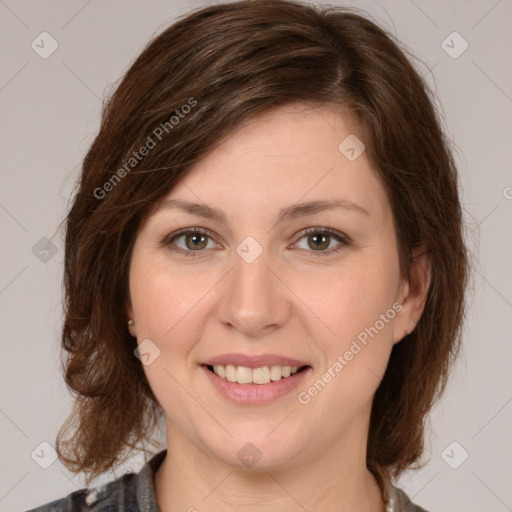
290, 301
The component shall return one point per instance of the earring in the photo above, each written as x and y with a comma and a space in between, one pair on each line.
131, 322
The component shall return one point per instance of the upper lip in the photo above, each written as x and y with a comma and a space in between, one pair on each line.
254, 361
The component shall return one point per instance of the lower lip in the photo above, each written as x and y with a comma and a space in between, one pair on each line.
255, 394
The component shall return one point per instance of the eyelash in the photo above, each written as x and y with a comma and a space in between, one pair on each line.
169, 239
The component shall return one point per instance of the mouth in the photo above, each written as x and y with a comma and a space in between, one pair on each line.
260, 376
256, 385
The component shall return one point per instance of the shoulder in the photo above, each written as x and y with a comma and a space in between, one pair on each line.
131, 492
403, 503
111, 497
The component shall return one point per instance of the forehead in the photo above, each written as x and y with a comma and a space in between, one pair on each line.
287, 155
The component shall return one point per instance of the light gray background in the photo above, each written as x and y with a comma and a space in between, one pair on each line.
50, 114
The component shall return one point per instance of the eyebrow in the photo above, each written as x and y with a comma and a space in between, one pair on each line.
288, 213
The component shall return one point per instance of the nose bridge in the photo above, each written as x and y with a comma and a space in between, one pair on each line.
254, 298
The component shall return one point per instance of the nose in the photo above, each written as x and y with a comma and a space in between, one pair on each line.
254, 299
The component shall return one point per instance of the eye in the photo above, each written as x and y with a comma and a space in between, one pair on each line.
195, 240
320, 239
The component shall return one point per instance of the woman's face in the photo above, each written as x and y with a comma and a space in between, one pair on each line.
257, 291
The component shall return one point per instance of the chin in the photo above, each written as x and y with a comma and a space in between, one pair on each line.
255, 450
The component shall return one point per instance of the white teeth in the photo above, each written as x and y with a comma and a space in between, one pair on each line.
261, 375
245, 375
220, 370
231, 373
275, 372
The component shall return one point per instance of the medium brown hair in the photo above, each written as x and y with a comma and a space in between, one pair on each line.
189, 89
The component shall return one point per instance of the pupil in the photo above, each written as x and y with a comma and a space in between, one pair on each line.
195, 238
321, 239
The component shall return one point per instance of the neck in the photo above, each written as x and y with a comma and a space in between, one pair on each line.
337, 480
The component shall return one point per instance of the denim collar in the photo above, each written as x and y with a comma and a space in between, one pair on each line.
145, 490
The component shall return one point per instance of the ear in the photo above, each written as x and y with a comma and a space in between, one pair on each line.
414, 293
129, 315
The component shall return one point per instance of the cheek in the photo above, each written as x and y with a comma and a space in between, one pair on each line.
163, 300
358, 305
355, 355
353, 297
168, 312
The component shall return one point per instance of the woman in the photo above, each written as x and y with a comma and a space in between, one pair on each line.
266, 250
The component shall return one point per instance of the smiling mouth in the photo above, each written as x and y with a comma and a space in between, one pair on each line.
261, 375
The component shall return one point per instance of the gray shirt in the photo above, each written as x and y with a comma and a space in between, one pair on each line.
135, 492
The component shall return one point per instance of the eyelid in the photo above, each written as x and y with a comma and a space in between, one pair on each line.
168, 239
323, 229
343, 240
341, 237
